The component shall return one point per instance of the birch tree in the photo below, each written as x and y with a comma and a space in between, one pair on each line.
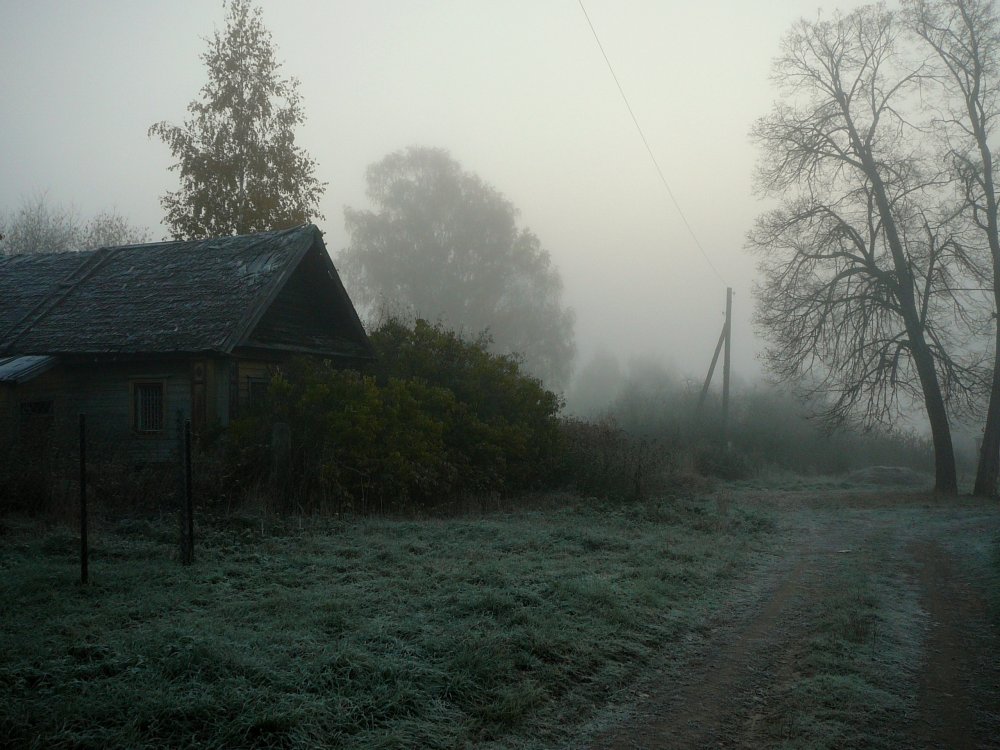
442, 244
239, 166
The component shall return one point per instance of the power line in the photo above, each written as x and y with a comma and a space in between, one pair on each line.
649, 150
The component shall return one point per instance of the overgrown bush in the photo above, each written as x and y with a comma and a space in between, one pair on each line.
600, 459
774, 428
712, 460
510, 419
436, 416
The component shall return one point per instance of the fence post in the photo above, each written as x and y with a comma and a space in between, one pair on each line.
188, 497
84, 548
181, 487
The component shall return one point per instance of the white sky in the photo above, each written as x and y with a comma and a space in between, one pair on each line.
517, 90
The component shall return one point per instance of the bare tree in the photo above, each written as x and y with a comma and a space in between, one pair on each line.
856, 276
110, 228
41, 226
965, 38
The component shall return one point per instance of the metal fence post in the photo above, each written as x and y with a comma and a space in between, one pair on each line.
188, 497
84, 544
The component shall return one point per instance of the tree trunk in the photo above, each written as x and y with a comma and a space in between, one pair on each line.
989, 454
945, 474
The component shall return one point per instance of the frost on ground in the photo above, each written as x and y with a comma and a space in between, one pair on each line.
873, 627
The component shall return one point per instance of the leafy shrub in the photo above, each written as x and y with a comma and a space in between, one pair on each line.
775, 428
510, 418
436, 416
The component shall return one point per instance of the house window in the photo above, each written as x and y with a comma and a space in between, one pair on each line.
256, 392
147, 407
36, 409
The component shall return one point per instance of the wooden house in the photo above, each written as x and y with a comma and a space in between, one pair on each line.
139, 336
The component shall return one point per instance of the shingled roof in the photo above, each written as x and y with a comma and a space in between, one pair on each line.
275, 290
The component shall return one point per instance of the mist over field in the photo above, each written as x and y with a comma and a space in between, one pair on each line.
518, 93
526, 374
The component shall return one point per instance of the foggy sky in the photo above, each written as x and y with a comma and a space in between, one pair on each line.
516, 90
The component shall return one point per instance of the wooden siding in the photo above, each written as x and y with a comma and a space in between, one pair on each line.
305, 315
104, 393
218, 389
7, 405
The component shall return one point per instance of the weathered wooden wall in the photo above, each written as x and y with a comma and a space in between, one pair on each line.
307, 316
104, 393
7, 421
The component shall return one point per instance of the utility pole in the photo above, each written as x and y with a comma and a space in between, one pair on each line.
711, 369
725, 340
728, 331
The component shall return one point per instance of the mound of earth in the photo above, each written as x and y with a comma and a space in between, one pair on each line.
890, 476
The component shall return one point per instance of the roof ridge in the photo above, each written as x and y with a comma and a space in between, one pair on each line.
63, 289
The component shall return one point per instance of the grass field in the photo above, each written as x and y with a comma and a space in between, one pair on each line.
510, 629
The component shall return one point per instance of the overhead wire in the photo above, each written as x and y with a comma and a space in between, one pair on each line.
649, 149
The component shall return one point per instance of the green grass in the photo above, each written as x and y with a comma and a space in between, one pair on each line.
511, 630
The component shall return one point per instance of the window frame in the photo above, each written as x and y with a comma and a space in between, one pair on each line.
136, 412
37, 408
256, 392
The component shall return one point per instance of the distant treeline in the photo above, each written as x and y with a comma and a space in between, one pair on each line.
768, 427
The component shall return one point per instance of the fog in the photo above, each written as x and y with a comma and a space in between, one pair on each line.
517, 91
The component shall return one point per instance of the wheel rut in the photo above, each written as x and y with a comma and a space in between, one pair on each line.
731, 691
721, 687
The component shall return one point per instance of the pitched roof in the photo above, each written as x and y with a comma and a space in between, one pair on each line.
192, 297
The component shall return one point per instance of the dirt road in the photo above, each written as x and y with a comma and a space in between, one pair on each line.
873, 627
